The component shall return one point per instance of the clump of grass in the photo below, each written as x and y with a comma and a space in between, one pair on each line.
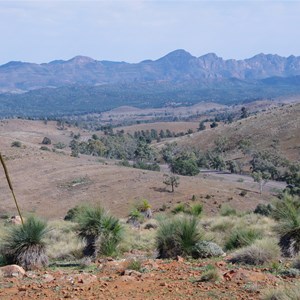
179, 208
288, 292
178, 236
135, 265
62, 241
196, 209
210, 274
24, 245
260, 253
137, 239
242, 237
101, 232
227, 210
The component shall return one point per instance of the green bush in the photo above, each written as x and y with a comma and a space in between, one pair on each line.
17, 144
45, 148
72, 213
204, 249
24, 245
178, 236
100, 231
264, 210
242, 237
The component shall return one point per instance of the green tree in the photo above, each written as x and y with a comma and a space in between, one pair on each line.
185, 164
201, 126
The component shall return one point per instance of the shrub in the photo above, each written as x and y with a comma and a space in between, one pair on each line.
101, 232
177, 236
72, 213
17, 144
261, 252
264, 210
227, 210
179, 208
45, 148
242, 237
46, 141
146, 166
204, 249
24, 244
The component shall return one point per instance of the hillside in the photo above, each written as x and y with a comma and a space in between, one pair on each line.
276, 127
50, 183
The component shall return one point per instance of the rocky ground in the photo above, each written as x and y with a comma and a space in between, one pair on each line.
157, 279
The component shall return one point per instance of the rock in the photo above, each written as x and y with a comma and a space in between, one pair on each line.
12, 271
180, 259
85, 278
16, 220
132, 273
48, 278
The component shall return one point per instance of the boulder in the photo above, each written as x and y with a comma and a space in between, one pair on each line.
12, 271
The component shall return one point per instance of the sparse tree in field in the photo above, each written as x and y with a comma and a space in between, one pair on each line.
213, 124
261, 178
201, 126
244, 113
171, 180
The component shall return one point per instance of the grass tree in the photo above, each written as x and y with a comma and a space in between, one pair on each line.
178, 236
24, 244
287, 213
100, 231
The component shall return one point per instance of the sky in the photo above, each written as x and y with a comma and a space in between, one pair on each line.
124, 30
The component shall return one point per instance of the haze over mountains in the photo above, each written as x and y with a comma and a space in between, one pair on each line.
83, 85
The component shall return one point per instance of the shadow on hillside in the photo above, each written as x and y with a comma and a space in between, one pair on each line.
161, 190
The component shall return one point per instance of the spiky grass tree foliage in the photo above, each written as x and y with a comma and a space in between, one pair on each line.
178, 236
24, 244
287, 213
100, 231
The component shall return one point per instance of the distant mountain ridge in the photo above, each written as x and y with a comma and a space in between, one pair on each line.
175, 67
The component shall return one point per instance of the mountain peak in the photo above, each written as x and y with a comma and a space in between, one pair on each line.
178, 54
79, 59
210, 56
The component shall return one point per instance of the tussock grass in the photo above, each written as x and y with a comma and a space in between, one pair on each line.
260, 253
287, 292
178, 236
137, 239
62, 241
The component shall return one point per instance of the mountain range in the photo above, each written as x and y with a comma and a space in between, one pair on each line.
177, 66
83, 85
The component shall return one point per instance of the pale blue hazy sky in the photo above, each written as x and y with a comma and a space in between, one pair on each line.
124, 30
